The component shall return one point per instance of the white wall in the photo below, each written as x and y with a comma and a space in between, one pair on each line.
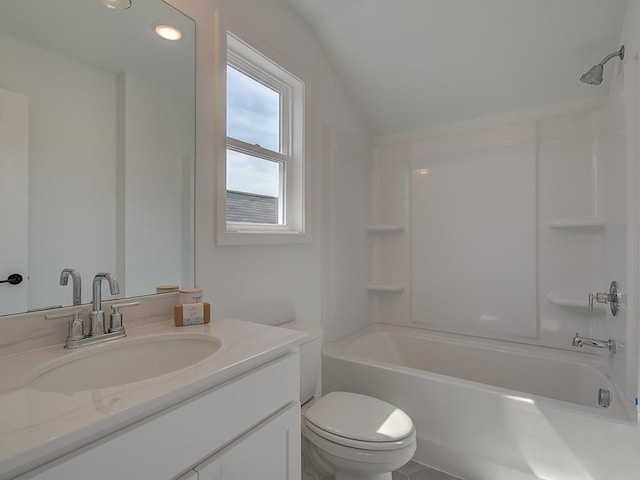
72, 132
346, 214
473, 232
477, 255
271, 284
630, 33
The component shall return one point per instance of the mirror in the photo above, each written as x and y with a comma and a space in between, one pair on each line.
97, 149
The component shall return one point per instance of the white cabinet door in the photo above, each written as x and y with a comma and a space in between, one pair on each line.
271, 451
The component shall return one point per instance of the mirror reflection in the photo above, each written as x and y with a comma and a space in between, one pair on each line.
96, 149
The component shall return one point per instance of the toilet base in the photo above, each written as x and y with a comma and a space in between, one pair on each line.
315, 467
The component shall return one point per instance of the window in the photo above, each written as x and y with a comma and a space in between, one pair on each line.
264, 161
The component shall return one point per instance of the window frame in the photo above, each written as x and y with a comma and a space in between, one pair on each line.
249, 61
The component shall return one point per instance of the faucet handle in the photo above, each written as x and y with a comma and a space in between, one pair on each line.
76, 327
116, 316
600, 298
614, 297
116, 306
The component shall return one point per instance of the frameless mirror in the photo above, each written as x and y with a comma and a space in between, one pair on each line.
97, 122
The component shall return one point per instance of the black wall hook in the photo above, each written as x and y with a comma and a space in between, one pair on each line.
13, 279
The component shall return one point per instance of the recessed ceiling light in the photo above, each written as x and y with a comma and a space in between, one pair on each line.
117, 4
168, 32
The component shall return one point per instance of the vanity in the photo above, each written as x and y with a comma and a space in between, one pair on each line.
234, 414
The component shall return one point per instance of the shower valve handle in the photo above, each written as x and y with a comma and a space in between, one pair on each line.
613, 297
599, 298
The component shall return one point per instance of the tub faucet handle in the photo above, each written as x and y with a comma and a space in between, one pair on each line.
599, 298
613, 297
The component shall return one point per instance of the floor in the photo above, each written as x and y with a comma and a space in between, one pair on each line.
416, 471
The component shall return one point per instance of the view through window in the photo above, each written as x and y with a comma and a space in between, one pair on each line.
263, 183
255, 187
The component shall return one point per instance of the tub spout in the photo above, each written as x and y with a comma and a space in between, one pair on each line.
610, 345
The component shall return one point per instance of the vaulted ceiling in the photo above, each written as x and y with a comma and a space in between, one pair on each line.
410, 64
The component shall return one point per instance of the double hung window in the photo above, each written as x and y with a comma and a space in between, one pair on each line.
264, 164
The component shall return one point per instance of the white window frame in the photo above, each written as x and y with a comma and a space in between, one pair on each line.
249, 61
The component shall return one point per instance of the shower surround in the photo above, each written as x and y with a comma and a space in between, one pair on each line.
503, 227
486, 239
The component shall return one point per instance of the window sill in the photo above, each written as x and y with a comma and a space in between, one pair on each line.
261, 237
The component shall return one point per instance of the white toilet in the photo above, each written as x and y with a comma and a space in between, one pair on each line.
348, 436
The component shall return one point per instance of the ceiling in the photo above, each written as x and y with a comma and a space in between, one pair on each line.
411, 64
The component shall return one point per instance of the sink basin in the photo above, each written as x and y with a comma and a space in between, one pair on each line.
122, 361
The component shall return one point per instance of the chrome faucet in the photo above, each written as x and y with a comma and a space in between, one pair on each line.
97, 333
610, 345
77, 283
97, 316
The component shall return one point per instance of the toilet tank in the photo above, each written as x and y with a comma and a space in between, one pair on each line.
310, 357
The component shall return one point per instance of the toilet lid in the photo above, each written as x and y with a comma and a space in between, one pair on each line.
359, 417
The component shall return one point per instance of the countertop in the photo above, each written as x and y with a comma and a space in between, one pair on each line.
38, 426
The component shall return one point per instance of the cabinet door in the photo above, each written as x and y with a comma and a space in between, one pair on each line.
271, 451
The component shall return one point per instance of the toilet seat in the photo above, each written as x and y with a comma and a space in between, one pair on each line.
360, 422
359, 444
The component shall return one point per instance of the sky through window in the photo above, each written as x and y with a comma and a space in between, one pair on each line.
253, 116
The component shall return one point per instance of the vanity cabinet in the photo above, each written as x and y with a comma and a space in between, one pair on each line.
269, 452
245, 428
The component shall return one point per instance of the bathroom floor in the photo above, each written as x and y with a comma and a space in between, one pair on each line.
416, 471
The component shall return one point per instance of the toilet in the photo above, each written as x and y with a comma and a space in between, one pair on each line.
347, 436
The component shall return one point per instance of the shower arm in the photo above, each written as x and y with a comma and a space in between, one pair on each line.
619, 53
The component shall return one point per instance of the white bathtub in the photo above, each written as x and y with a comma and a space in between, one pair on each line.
484, 409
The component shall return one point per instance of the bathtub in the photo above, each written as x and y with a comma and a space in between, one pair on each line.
486, 409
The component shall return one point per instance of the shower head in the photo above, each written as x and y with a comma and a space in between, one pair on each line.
594, 75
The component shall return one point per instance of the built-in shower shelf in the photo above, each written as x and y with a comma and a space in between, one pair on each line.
572, 301
580, 224
385, 227
385, 287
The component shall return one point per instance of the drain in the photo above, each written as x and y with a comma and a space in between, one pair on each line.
604, 397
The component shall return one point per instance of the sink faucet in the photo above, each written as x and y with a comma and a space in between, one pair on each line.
77, 283
97, 334
97, 316
610, 345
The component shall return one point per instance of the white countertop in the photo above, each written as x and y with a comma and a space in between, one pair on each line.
38, 426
